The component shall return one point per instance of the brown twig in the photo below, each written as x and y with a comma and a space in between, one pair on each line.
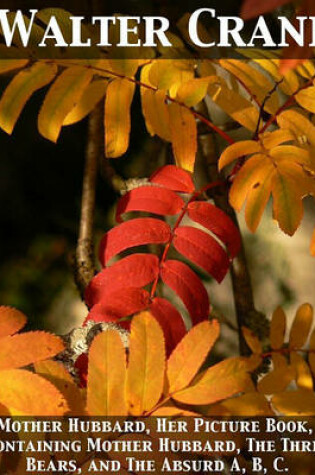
84, 262
246, 313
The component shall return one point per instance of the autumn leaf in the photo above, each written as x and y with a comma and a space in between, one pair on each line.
301, 326
146, 367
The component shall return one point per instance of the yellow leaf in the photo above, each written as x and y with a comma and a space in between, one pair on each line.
89, 99
11, 321
257, 83
61, 99
168, 411
20, 89
106, 376
27, 348
117, 117
218, 382
301, 326
311, 355
236, 106
257, 199
312, 247
295, 403
190, 353
237, 150
154, 108
272, 139
7, 65
252, 341
192, 92
145, 373
277, 329
184, 136
170, 74
304, 378
306, 98
252, 404
299, 125
57, 374
27, 394
287, 205
277, 380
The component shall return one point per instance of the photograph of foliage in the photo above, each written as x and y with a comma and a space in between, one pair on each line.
178, 280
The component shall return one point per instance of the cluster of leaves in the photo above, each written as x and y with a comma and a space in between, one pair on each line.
250, 91
288, 387
169, 192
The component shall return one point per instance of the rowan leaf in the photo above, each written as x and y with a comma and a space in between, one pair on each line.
306, 98
287, 207
11, 321
56, 373
257, 200
203, 250
238, 150
252, 341
19, 91
27, 394
114, 307
118, 101
170, 320
301, 326
192, 92
184, 136
173, 178
146, 368
91, 96
304, 379
219, 382
295, 403
7, 65
277, 329
140, 269
106, 376
236, 106
21, 350
190, 353
152, 199
252, 404
277, 380
61, 98
219, 223
133, 233
299, 125
187, 285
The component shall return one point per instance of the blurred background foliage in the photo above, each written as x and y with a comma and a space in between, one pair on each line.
40, 191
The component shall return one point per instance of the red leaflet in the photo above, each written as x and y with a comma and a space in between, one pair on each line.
171, 322
133, 233
173, 178
187, 285
152, 199
253, 8
137, 269
120, 304
218, 223
203, 250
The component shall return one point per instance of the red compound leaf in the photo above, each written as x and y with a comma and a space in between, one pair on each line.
151, 199
119, 305
218, 223
173, 178
133, 233
170, 320
187, 285
202, 250
138, 269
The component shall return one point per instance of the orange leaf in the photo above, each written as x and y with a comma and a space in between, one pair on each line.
106, 376
190, 353
184, 136
252, 341
301, 326
218, 382
27, 348
11, 321
277, 329
145, 374
27, 394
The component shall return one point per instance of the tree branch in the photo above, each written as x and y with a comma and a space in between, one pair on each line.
84, 259
246, 313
